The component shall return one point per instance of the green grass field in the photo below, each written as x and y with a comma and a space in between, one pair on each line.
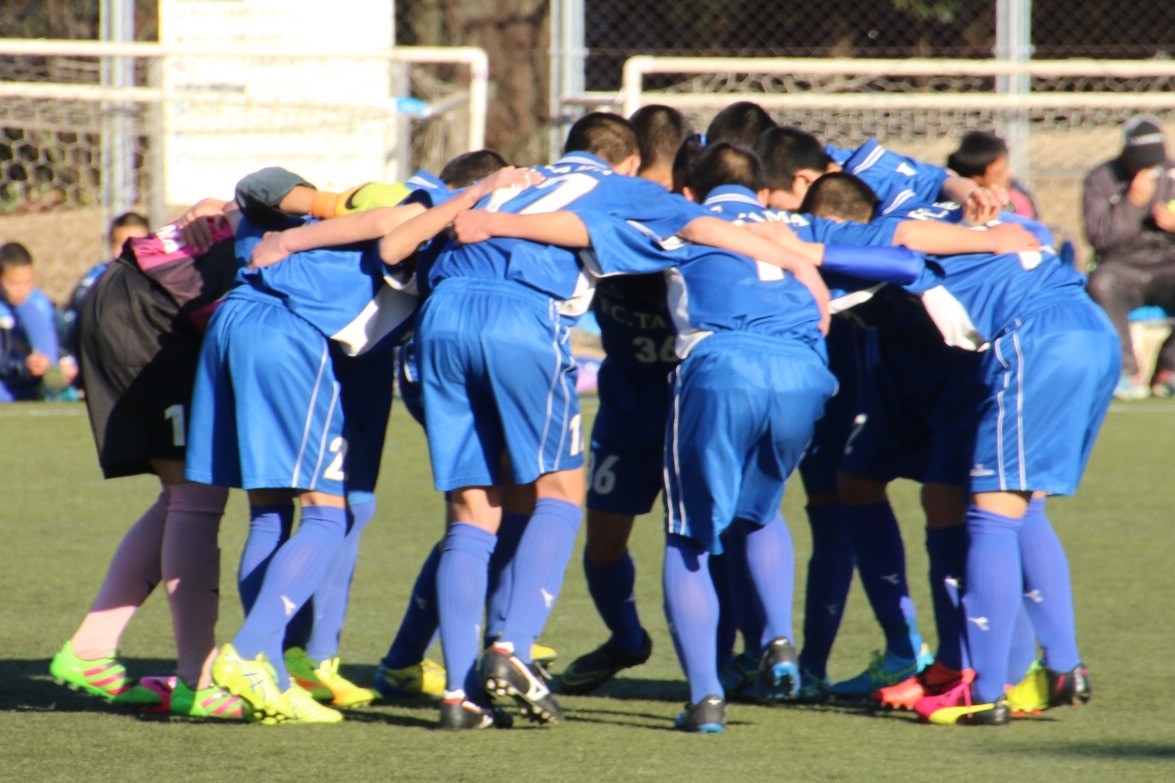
60, 522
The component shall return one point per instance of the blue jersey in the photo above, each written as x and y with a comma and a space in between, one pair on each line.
578, 181
636, 328
709, 290
348, 294
897, 180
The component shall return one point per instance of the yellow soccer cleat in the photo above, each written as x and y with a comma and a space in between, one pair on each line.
426, 678
254, 680
344, 693
302, 708
542, 655
303, 671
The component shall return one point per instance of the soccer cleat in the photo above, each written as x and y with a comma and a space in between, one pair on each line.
708, 716
543, 655
778, 676
1131, 387
302, 671
813, 689
883, 670
105, 678
255, 681
1163, 384
737, 676
344, 693
210, 702
301, 707
460, 714
955, 708
506, 676
426, 678
934, 680
590, 671
1042, 689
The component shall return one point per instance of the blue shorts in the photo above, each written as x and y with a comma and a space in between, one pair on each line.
265, 409
497, 376
744, 407
1049, 383
628, 440
819, 466
365, 383
917, 420
408, 381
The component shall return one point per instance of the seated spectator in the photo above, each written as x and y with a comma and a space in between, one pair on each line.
984, 157
29, 357
1127, 203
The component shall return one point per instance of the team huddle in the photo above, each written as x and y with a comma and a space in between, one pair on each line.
766, 303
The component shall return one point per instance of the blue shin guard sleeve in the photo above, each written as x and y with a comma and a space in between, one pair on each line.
1048, 591
946, 550
420, 622
612, 588
269, 527
991, 597
502, 572
830, 573
461, 593
540, 563
770, 560
296, 571
738, 604
1023, 650
691, 607
881, 561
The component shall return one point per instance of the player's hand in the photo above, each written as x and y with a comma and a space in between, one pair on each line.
1012, 238
506, 177
196, 225
808, 275
38, 364
472, 225
269, 250
985, 204
1164, 216
69, 369
1144, 185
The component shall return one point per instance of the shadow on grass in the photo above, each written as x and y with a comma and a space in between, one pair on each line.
1116, 750
29, 688
640, 689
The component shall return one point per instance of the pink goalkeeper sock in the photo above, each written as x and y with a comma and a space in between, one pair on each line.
132, 575
191, 574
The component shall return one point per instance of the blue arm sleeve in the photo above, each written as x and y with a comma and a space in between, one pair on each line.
898, 265
36, 314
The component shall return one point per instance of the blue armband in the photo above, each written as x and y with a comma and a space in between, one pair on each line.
897, 265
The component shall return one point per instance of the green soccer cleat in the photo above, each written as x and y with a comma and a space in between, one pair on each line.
210, 702
254, 680
883, 671
105, 678
302, 671
591, 670
323, 681
426, 678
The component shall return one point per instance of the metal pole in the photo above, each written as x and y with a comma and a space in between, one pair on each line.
555, 80
119, 191
1014, 43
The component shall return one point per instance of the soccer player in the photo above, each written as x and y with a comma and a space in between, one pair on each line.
29, 351
739, 123
628, 436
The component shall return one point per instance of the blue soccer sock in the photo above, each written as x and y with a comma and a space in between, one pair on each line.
991, 597
770, 559
691, 607
297, 569
502, 572
612, 588
330, 600
541, 561
462, 574
420, 621
830, 574
727, 632
1023, 651
269, 528
946, 548
1047, 589
881, 560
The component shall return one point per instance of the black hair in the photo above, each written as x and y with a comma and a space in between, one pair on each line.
723, 164
739, 123
976, 152
659, 132
784, 150
125, 220
469, 167
689, 150
840, 195
605, 135
14, 254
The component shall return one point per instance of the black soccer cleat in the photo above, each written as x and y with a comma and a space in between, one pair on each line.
590, 671
507, 676
1069, 688
778, 677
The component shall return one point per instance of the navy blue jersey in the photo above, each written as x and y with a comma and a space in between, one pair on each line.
578, 181
897, 180
636, 328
